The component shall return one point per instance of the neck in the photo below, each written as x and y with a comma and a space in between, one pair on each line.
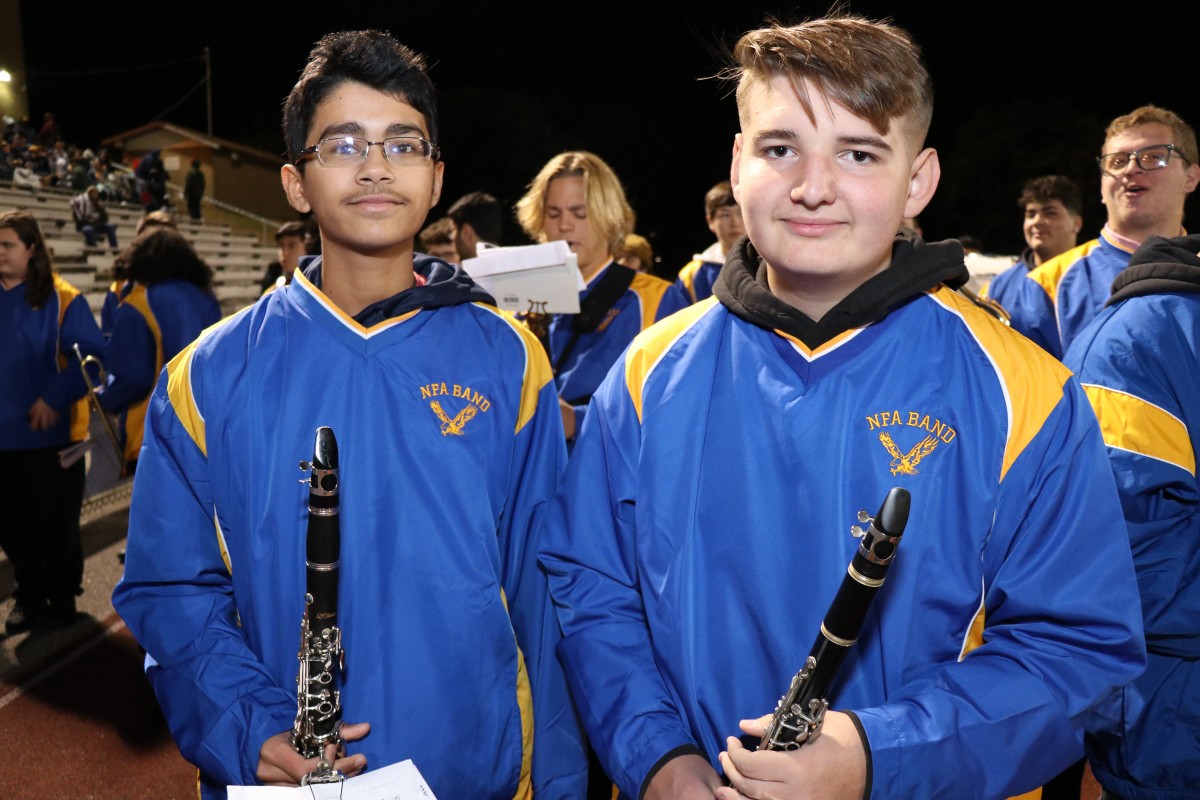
815, 295
1136, 234
590, 271
354, 281
11, 283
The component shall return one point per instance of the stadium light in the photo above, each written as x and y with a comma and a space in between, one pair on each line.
5, 76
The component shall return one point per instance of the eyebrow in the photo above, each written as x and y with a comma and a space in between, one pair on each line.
847, 141
355, 129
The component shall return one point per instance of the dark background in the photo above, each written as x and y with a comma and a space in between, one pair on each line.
1023, 89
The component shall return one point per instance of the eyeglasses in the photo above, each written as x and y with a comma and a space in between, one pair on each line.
345, 151
1148, 158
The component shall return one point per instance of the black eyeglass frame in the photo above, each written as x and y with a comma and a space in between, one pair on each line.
435, 152
1133, 155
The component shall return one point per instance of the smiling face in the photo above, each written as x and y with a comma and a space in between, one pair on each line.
374, 207
726, 224
14, 258
565, 218
1143, 203
1050, 228
822, 198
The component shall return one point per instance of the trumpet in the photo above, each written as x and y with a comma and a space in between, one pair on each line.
94, 404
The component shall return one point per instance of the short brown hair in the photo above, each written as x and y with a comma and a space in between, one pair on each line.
607, 209
1048, 188
440, 232
717, 197
874, 69
1185, 137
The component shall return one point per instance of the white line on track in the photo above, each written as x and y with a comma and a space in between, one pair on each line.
66, 660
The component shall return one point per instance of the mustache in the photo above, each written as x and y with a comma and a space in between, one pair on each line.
375, 192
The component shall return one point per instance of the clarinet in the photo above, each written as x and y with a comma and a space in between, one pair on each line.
322, 660
801, 712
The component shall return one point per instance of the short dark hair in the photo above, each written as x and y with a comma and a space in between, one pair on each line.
481, 211
294, 228
440, 232
1047, 188
372, 58
162, 254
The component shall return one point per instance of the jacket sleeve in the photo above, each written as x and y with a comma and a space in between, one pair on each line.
176, 596
589, 556
559, 758
1032, 312
674, 299
130, 359
1061, 632
1132, 370
78, 327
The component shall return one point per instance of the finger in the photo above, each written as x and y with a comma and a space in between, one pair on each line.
351, 765
355, 730
755, 767
755, 727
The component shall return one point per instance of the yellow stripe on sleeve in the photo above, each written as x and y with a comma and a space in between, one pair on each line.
525, 704
1050, 274
649, 345
1133, 424
1032, 381
651, 290
537, 366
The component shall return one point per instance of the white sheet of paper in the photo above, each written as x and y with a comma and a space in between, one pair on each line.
542, 278
400, 781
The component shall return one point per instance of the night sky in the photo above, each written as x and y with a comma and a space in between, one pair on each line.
1022, 88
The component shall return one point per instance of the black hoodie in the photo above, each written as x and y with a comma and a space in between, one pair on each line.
916, 267
1160, 266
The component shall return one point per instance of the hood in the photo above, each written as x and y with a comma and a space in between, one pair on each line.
444, 285
916, 267
1160, 266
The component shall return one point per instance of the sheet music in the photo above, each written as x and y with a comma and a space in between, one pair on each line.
402, 781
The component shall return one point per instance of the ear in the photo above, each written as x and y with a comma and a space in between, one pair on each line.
923, 182
293, 188
466, 232
1193, 177
436, 194
1076, 224
735, 170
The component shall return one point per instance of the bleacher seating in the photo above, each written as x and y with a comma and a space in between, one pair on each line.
238, 260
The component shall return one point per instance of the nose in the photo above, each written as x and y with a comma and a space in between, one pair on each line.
814, 182
375, 167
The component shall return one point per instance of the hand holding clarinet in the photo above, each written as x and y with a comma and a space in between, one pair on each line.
808, 752
312, 752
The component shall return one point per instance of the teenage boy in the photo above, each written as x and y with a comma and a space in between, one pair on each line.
1148, 167
703, 525
1139, 362
450, 441
724, 219
1052, 208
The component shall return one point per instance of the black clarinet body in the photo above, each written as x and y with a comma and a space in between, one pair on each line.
319, 709
800, 713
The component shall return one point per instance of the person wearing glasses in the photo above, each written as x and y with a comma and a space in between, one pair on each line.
1148, 166
450, 446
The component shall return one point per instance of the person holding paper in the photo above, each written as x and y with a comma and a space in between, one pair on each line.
42, 410
450, 447
578, 199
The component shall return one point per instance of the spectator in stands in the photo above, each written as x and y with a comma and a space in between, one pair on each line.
438, 240
24, 177
1148, 167
121, 286
637, 254
77, 175
193, 190
42, 410
91, 217
1053, 210
151, 175
578, 199
49, 133
171, 301
477, 217
724, 219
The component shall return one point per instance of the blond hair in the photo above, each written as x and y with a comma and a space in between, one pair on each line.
1185, 137
874, 69
607, 209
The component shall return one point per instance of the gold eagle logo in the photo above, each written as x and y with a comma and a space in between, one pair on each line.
454, 427
906, 463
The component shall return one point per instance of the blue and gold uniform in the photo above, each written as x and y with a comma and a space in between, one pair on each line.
451, 443
150, 326
591, 355
1059, 298
704, 525
1139, 363
698, 276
